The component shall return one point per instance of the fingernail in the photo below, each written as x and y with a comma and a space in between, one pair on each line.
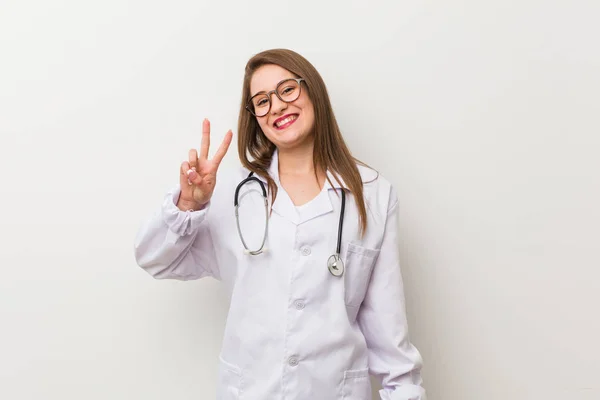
191, 174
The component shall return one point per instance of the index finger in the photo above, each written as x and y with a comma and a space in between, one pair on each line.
205, 144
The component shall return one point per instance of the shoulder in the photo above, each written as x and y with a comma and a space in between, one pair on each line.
378, 192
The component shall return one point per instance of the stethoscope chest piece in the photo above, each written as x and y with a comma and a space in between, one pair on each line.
335, 265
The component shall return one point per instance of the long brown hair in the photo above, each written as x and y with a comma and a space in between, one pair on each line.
330, 151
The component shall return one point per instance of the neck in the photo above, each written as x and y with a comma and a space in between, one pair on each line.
297, 161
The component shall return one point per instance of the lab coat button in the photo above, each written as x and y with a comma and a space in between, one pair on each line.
293, 361
305, 250
299, 305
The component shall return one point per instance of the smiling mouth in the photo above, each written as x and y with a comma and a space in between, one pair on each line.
285, 121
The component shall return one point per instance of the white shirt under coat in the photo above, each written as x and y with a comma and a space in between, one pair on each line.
294, 331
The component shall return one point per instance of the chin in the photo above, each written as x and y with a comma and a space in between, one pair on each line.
287, 137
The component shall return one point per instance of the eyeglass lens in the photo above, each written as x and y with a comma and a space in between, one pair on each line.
287, 91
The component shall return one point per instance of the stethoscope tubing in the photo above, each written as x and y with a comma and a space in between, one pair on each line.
334, 263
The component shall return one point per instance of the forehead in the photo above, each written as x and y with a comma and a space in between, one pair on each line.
267, 77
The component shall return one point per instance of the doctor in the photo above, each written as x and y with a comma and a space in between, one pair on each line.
317, 301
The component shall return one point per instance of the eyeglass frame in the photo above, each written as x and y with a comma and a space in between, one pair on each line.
268, 94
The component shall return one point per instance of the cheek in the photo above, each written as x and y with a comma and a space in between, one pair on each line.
263, 124
307, 108
309, 115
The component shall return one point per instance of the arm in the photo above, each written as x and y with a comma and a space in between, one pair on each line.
176, 244
382, 319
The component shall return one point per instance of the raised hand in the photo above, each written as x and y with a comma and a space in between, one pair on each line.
198, 175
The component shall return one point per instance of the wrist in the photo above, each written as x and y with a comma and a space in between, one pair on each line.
184, 205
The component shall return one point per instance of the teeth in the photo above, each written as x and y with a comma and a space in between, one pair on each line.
285, 121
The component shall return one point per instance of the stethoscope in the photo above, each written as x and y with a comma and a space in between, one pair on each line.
335, 265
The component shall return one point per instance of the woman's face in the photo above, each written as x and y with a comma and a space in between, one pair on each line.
286, 125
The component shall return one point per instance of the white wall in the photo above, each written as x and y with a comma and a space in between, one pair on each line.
483, 114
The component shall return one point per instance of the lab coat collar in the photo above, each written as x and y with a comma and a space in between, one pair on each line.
366, 175
320, 205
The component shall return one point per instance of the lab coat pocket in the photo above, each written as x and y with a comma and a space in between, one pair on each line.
357, 385
359, 264
229, 385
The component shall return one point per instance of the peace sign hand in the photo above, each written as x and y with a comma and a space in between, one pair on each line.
198, 175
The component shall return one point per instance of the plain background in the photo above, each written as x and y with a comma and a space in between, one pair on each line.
484, 115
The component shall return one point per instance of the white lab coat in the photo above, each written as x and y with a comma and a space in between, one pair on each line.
294, 331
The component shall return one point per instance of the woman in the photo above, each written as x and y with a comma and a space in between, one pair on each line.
303, 323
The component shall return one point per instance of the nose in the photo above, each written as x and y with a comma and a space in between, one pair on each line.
277, 105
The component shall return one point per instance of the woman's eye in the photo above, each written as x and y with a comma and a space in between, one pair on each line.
261, 102
287, 90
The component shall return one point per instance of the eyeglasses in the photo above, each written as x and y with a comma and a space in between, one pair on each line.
287, 90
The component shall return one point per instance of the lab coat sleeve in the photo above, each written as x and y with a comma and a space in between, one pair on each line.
175, 244
382, 319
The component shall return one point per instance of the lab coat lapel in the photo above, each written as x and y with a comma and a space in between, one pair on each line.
320, 205
284, 206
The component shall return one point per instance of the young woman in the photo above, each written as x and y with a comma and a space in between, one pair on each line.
311, 264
